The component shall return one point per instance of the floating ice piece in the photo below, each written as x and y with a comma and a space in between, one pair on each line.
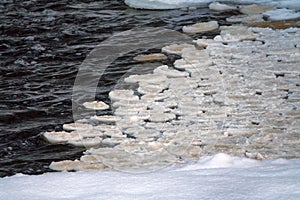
91, 159
150, 89
245, 18
201, 27
88, 133
203, 43
190, 54
168, 103
105, 118
112, 142
140, 132
154, 97
127, 95
133, 121
161, 117
66, 165
77, 126
158, 107
183, 84
138, 106
129, 110
134, 129
189, 66
146, 78
182, 62
106, 128
169, 72
176, 48
128, 104
255, 9
96, 105
235, 33
281, 14
151, 57
159, 126
86, 142
61, 137
216, 6
193, 59
69, 165
114, 133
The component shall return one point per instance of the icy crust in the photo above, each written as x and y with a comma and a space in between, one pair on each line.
231, 177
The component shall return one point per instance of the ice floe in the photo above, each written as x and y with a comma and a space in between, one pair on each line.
201, 27
176, 48
61, 137
281, 14
77, 126
105, 118
255, 9
216, 6
96, 105
150, 57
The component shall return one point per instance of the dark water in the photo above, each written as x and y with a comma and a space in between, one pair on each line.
42, 44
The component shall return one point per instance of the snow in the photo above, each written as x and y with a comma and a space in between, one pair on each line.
214, 177
173, 4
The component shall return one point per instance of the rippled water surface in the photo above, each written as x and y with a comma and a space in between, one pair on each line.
42, 44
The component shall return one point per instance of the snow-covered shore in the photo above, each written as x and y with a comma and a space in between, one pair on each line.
218, 177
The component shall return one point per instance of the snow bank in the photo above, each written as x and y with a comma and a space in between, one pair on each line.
215, 177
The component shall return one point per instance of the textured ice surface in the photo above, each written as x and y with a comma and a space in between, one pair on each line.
215, 177
173, 4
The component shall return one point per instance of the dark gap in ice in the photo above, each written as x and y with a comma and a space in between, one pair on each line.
255, 123
279, 74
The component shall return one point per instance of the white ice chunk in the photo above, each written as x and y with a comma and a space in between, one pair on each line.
281, 14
